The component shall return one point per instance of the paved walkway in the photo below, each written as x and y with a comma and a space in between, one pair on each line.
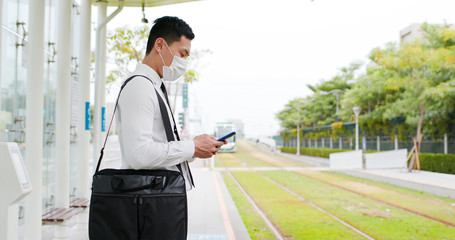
436, 183
212, 214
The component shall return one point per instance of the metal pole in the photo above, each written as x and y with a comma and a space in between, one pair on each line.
356, 134
446, 144
337, 96
100, 79
34, 119
84, 105
356, 112
63, 103
298, 140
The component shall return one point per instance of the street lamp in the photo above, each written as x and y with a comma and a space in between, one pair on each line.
298, 123
298, 130
336, 92
356, 112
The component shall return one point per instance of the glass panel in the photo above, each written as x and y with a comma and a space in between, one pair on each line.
74, 163
50, 86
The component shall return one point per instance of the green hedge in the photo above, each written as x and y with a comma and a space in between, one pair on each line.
317, 152
433, 162
437, 162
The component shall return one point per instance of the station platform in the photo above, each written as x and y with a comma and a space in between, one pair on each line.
212, 214
435, 183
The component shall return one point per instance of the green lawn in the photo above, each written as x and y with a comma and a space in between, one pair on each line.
297, 219
374, 218
428, 204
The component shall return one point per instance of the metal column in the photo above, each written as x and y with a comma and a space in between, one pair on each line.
63, 103
100, 79
84, 81
34, 119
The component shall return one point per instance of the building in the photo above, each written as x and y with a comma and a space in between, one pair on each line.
411, 33
239, 126
414, 32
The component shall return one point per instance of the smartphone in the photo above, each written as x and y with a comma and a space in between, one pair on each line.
222, 139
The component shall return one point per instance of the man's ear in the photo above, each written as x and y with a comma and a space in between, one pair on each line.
159, 44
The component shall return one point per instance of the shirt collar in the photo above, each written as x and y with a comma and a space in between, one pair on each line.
149, 72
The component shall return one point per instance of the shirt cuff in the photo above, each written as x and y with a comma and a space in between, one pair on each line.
188, 150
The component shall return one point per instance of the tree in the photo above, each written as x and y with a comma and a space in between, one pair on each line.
405, 88
128, 46
420, 72
323, 108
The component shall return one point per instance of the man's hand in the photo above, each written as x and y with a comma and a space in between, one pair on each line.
206, 146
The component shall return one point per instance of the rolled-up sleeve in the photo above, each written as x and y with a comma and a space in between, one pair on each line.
137, 114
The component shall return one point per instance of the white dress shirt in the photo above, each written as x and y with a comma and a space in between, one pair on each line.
142, 137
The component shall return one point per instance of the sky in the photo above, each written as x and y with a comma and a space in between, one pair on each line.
265, 53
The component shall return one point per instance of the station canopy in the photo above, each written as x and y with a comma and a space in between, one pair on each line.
145, 3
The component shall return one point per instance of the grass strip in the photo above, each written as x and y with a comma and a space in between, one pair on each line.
374, 218
249, 160
254, 223
297, 219
267, 157
228, 159
428, 204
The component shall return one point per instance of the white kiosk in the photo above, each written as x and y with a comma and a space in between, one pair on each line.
14, 186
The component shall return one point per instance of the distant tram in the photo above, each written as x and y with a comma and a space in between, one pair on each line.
222, 129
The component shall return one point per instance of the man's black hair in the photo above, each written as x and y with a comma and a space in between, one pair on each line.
169, 28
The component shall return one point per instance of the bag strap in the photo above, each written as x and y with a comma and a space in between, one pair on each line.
164, 114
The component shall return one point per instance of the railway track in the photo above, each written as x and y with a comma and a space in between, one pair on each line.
270, 224
366, 196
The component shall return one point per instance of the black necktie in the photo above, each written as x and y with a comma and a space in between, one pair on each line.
163, 88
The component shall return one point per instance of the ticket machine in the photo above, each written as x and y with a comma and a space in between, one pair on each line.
14, 186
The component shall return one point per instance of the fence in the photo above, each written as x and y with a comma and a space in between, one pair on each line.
445, 144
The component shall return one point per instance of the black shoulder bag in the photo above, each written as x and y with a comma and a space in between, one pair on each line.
138, 204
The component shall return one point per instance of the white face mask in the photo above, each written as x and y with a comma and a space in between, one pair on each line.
176, 69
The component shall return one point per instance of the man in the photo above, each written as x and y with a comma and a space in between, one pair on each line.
143, 140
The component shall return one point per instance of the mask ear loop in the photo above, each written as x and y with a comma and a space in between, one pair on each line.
162, 59
169, 51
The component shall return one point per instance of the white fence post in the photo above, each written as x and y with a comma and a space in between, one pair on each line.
378, 143
396, 142
331, 143
446, 144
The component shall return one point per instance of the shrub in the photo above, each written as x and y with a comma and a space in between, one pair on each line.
433, 162
317, 152
437, 162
